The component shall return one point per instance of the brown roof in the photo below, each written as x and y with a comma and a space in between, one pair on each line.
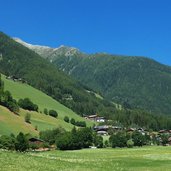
169, 139
163, 131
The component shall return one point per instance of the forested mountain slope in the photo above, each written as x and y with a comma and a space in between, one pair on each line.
136, 82
19, 61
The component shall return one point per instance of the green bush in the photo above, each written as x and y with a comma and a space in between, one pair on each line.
8, 101
72, 121
66, 119
118, 140
138, 138
130, 143
7, 142
21, 142
76, 139
27, 117
27, 104
53, 113
50, 136
80, 123
45, 111
98, 141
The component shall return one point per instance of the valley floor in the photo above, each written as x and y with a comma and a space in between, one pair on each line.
157, 158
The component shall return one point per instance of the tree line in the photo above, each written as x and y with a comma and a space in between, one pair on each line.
79, 138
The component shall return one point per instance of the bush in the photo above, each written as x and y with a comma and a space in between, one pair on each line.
27, 118
98, 141
50, 136
72, 121
8, 101
118, 140
13, 106
138, 138
27, 104
53, 113
164, 139
65, 141
76, 139
106, 143
66, 119
80, 123
130, 143
36, 127
45, 111
21, 142
7, 142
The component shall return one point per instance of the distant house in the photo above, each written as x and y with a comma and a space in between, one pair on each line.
102, 132
117, 128
163, 131
101, 128
95, 118
100, 119
36, 141
130, 130
91, 117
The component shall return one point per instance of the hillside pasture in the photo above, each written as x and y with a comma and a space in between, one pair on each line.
11, 123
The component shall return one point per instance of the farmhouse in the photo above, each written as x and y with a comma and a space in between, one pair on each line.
163, 131
100, 119
95, 118
102, 132
91, 117
35, 141
101, 128
130, 130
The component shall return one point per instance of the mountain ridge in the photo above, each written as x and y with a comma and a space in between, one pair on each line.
138, 81
21, 62
49, 52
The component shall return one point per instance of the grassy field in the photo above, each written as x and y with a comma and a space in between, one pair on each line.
11, 123
19, 90
136, 159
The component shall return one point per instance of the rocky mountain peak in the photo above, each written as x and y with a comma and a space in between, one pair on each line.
48, 52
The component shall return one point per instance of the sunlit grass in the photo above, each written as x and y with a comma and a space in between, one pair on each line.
10, 123
135, 159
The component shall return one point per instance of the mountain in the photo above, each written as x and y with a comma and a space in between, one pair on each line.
21, 62
136, 82
48, 52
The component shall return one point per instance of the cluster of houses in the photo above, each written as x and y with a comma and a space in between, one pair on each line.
105, 129
14, 78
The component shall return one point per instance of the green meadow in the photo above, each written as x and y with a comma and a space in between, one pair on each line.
13, 123
157, 158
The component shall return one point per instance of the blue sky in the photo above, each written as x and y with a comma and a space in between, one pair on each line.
127, 27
